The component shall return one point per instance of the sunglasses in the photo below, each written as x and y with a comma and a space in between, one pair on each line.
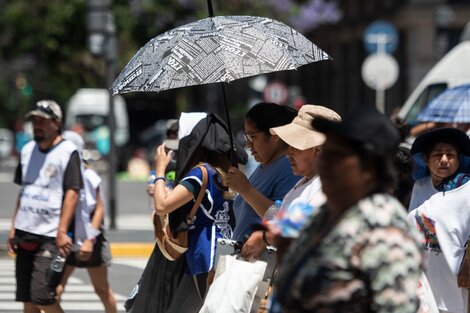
44, 107
249, 137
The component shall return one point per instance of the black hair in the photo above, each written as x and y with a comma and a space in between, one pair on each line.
403, 164
172, 131
266, 115
219, 161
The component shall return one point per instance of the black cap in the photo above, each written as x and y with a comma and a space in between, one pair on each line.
452, 136
365, 126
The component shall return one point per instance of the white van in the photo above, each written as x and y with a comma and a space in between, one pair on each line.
452, 70
90, 107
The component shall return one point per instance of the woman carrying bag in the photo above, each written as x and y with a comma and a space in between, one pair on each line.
212, 217
170, 285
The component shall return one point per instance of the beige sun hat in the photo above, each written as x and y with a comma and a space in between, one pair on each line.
300, 134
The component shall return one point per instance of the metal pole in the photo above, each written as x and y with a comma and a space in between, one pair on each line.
110, 71
209, 8
380, 100
233, 156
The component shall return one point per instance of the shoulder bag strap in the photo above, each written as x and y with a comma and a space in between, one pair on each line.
200, 196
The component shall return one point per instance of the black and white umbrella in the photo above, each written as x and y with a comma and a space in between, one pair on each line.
216, 49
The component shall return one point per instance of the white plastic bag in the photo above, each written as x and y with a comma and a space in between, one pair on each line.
235, 285
427, 304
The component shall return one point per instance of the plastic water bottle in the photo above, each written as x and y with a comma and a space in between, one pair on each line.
272, 210
170, 179
150, 181
55, 270
57, 264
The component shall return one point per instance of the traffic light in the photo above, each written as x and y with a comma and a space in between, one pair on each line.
23, 85
100, 26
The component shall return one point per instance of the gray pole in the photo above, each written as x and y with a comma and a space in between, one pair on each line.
102, 43
110, 72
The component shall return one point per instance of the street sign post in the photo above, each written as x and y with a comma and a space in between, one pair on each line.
380, 37
380, 71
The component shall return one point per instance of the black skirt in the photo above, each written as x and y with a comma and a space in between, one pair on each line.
157, 286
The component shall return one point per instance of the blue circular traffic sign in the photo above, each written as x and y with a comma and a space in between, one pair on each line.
380, 37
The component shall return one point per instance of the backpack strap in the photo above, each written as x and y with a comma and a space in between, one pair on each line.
202, 191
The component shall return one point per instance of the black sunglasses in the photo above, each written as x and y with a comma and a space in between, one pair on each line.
44, 107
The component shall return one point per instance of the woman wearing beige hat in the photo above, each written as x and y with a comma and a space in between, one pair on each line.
303, 154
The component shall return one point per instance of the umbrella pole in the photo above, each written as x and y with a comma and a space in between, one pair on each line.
209, 8
233, 157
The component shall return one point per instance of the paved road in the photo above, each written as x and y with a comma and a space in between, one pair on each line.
79, 296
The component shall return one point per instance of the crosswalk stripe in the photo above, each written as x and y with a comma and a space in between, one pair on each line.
77, 295
68, 296
123, 222
66, 306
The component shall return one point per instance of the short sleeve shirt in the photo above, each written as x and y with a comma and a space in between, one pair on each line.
212, 221
273, 181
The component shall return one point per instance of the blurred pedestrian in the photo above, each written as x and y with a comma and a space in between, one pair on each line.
91, 249
138, 168
50, 177
272, 179
440, 211
357, 253
404, 166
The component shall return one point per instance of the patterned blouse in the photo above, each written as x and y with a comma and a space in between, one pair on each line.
369, 261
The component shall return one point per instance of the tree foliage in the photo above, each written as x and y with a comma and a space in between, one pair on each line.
43, 51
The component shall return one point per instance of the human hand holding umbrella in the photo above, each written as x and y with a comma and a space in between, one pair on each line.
236, 180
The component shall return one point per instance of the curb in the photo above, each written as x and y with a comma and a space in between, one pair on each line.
127, 249
118, 250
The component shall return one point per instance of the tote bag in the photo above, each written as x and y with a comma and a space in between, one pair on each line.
235, 285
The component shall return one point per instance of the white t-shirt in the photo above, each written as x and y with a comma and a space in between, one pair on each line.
85, 208
444, 223
423, 189
305, 192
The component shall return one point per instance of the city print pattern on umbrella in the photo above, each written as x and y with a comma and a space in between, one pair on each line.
451, 106
216, 49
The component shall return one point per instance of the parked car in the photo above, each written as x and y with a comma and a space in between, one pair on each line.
452, 70
89, 108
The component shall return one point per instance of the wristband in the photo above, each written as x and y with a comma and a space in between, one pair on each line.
158, 178
265, 240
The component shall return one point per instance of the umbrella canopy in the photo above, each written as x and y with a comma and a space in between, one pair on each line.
216, 49
451, 106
